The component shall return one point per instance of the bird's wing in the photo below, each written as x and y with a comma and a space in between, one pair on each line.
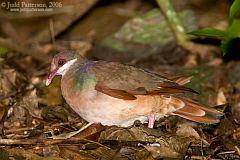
124, 81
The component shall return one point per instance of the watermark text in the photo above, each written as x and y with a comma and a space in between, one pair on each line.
30, 6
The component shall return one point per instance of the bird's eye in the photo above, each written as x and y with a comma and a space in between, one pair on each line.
61, 62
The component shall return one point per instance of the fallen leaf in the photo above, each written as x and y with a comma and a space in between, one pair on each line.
235, 109
221, 98
169, 147
28, 154
157, 143
51, 151
30, 102
67, 153
187, 130
8, 81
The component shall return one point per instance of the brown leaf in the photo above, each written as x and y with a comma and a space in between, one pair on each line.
221, 98
8, 81
157, 143
3, 111
30, 102
130, 134
123, 153
236, 112
75, 155
169, 147
28, 154
51, 151
187, 130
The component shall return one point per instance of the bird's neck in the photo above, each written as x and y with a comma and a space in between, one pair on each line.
86, 79
62, 70
80, 77
76, 61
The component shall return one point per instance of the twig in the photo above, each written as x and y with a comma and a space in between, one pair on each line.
173, 20
8, 131
202, 144
200, 157
10, 142
238, 150
71, 134
51, 27
179, 32
177, 26
227, 152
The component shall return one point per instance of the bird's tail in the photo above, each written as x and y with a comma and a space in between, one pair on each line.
195, 111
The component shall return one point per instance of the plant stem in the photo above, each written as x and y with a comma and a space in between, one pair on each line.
175, 23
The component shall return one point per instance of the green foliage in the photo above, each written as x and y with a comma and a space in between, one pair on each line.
4, 155
207, 126
227, 37
234, 10
232, 34
3, 51
209, 32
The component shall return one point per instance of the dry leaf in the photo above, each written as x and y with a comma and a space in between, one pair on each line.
236, 112
8, 81
30, 102
221, 99
187, 130
169, 147
157, 143
28, 154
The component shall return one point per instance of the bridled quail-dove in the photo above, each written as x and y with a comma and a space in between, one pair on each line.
112, 93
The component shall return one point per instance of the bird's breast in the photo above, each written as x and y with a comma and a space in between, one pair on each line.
98, 107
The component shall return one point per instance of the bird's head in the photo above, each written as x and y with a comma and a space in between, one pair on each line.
61, 63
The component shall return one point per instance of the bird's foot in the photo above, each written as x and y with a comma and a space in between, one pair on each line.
70, 134
151, 120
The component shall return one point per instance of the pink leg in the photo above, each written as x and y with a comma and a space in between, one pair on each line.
151, 120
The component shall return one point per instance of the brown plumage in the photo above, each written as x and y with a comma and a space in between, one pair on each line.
116, 94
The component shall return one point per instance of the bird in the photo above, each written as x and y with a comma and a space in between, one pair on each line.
112, 93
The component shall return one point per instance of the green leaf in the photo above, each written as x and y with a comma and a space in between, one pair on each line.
235, 8
229, 44
226, 45
3, 51
232, 34
234, 29
209, 32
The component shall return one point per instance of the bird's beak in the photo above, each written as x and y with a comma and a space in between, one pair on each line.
50, 76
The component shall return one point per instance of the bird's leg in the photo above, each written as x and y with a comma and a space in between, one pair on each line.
151, 120
70, 134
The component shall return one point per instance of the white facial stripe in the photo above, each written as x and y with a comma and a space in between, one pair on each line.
62, 70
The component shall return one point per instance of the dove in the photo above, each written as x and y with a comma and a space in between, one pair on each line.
118, 94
